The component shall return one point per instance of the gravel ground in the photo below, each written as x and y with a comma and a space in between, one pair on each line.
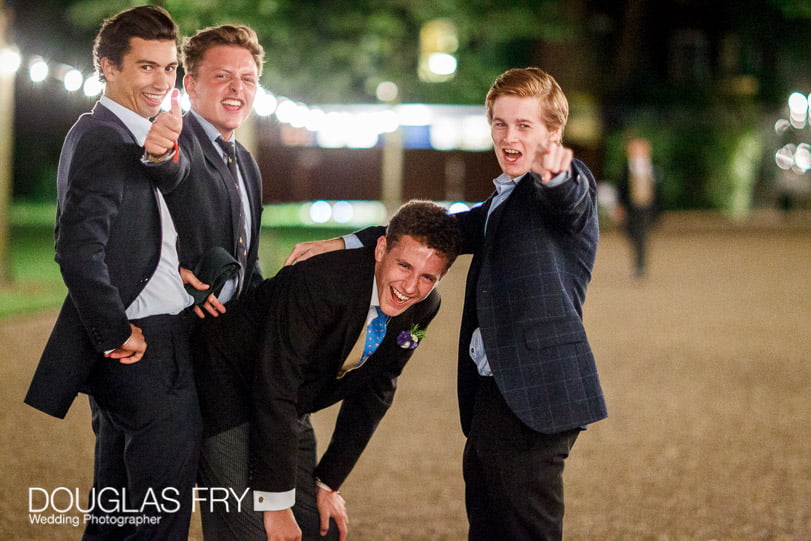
706, 367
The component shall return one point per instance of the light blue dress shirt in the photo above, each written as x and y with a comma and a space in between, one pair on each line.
504, 187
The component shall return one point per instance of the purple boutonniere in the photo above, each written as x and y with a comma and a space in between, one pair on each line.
410, 339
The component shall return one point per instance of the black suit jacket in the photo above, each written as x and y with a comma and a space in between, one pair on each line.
205, 208
276, 354
108, 235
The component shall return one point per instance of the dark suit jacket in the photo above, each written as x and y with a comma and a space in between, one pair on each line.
108, 236
275, 355
525, 288
205, 208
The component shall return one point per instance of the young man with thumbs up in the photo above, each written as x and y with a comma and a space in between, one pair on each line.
120, 336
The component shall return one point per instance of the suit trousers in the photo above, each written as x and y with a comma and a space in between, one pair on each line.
224, 464
148, 429
637, 227
513, 474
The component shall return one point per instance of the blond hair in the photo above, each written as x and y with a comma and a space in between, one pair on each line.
195, 47
532, 83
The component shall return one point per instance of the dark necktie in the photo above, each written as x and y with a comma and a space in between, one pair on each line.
242, 249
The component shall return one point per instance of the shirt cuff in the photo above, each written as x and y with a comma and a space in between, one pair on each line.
559, 179
273, 501
322, 485
351, 241
146, 161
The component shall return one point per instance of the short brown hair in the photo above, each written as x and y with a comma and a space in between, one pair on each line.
532, 83
429, 224
195, 47
145, 22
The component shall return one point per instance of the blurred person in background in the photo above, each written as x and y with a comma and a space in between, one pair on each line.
638, 210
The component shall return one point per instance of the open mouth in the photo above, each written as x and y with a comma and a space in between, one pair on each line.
154, 100
511, 155
232, 104
399, 298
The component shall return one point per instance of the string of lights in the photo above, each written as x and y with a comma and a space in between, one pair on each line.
333, 126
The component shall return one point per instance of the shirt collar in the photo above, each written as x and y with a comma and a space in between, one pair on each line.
135, 123
208, 127
374, 302
504, 182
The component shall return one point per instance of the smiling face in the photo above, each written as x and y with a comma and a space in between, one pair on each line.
406, 273
224, 88
147, 72
518, 132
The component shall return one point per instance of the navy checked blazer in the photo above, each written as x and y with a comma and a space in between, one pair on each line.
525, 289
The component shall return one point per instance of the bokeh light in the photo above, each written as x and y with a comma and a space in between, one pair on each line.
38, 70
320, 212
10, 60
73, 80
387, 91
342, 212
92, 86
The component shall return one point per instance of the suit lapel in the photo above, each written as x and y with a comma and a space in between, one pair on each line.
395, 326
494, 221
213, 156
360, 291
359, 294
250, 180
102, 113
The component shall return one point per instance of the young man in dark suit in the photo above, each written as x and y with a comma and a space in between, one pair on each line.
528, 382
221, 203
120, 336
527, 377
638, 194
297, 344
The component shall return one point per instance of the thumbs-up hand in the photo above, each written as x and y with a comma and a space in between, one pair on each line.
165, 131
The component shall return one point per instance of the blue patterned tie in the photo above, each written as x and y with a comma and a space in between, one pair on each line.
375, 331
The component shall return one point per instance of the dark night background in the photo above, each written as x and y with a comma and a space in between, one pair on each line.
702, 80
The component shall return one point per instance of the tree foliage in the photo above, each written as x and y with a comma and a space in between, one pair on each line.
337, 51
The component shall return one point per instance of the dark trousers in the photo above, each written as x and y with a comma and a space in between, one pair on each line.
148, 429
513, 475
637, 227
224, 463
